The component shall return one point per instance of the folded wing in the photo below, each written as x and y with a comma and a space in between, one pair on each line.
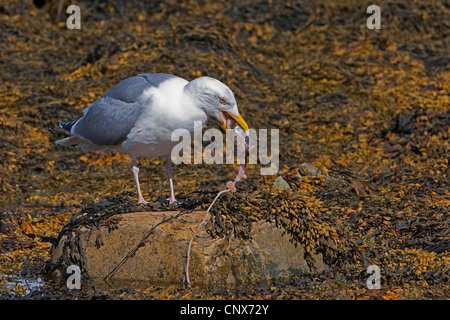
109, 120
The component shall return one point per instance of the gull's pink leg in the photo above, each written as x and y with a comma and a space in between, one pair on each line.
240, 176
169, 171
135, 171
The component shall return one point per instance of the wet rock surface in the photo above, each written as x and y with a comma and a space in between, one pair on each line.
104, 252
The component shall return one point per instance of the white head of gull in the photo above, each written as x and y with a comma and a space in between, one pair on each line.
138, 115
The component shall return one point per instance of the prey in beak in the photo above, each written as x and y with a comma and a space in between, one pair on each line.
230, 121
226, 119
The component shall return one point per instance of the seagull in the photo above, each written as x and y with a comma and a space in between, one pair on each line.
138, 115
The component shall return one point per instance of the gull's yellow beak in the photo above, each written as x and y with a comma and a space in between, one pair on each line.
225, 116
240, 121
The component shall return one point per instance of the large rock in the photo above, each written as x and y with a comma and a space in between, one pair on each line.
268, 254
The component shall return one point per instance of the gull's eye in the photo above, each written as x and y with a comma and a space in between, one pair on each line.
222, 101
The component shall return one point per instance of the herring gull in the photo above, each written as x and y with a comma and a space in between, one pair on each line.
138, 115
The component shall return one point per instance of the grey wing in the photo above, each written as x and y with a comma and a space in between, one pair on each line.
130, 89
107, 121
110, 119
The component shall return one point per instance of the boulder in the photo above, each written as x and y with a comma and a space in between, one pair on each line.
125, 250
